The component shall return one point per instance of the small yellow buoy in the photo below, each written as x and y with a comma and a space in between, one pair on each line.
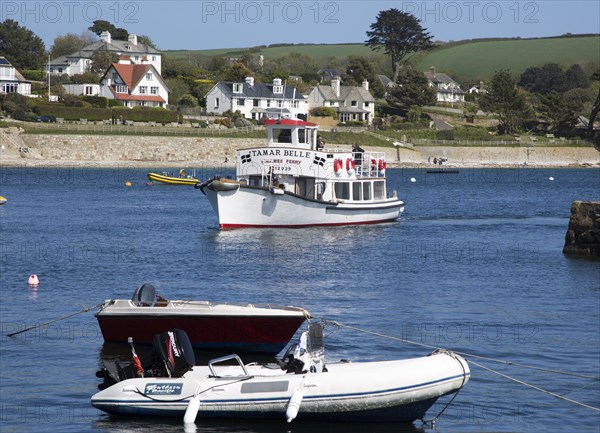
127, 183
2, 200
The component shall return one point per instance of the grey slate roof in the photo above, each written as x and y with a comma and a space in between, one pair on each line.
114, 46
260, 91
347, 93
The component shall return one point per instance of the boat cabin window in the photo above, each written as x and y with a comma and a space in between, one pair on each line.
367, 191
342, 190
305, 187
356, 191
379, 190
255, 181
282, 135
302, 135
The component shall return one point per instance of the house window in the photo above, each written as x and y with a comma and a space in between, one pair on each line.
241, 101
279, 104
154, 58
121, 88
256, 103
295, 104
143, 103
137, 58
367, 104
268, 103
216, 102
89, 90
353, 103
149, 76
128, 47
143, 90
154, 90
237, 87
277, 89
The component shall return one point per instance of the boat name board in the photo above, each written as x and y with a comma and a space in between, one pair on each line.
284, 161
163, 388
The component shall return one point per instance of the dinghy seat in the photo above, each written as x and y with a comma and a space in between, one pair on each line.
144, 296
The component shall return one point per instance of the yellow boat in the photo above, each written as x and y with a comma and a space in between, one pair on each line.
168, 178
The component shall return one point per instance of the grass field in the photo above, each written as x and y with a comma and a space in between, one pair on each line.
468, 61
472, 61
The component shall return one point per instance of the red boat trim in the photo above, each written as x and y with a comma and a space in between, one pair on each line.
300, 226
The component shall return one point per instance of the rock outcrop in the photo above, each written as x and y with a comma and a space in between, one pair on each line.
583, 234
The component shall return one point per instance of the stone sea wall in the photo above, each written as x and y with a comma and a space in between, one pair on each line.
158, 151
583, 234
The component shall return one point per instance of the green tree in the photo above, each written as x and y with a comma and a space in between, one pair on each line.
412, 90
23, 48
560, 112
70, 43
504, 99
101, 61
544, 79
100, 26
143, 39
236, 72
400, 35
359, 69
576, 78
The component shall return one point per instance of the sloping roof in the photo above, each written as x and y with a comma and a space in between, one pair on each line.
260, 91
114, 46
18, 77
131, 74
347, 93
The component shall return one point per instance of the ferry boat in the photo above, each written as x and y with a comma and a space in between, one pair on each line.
293, 182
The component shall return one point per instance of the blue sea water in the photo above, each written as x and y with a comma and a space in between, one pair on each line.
474, 264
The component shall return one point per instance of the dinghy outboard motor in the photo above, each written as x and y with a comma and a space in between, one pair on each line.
174, 349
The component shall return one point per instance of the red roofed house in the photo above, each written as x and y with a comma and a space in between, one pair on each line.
134, 84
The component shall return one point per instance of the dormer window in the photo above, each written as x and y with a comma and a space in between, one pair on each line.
128, 47
120, 88
238, 87
277, 89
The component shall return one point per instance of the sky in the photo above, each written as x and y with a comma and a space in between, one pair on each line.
238, 24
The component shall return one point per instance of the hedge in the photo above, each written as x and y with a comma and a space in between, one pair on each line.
74, 113
148, 114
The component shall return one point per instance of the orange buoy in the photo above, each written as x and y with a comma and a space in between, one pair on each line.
33, 280
127, 183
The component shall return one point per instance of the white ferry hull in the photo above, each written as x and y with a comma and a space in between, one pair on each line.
261, 207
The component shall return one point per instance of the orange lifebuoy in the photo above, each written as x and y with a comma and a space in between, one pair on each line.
337, 165
350, 165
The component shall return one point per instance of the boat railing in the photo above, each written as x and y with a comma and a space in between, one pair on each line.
369, 164
211, 363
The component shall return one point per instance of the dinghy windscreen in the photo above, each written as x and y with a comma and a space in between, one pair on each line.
175, 350
144, 296
315, 338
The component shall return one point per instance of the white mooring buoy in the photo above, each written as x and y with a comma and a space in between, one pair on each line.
33, 280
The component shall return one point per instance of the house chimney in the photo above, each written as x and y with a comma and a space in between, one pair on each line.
277, 81
250, 81
132, 39
105, 36
365, 84
335, 85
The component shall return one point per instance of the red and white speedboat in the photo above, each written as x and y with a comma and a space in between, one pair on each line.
292, 182
245, 328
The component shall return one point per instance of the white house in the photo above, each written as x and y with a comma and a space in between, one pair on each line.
11, 80
255, 100
134, 84
81, 61
447, 90
88, 89
353, 103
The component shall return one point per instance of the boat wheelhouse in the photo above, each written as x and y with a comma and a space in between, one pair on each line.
295, 182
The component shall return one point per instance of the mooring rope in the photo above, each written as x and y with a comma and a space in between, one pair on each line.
470, 355
465, 354
553, 394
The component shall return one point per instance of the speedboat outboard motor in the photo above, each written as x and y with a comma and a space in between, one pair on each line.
172, 356
174, 350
